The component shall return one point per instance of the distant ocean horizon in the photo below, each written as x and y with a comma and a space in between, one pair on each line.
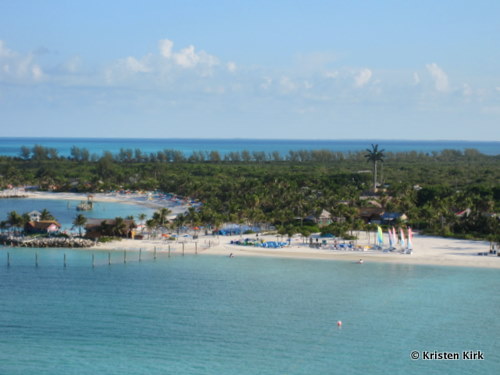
11, 146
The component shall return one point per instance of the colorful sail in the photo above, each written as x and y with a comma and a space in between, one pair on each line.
410, 237
380, 236
390, 237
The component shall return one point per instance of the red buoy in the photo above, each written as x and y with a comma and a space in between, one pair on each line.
339, 323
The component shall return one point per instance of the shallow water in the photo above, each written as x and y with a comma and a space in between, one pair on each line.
65, 210
216, 315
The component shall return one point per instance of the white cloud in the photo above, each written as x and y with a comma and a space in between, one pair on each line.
416, 78
186, 58
333, 74
266, 85
5, 52
440, 77
36, 72
166, 46
466, 90
231, 66
287, 85
363, 77
73, 65
136, 66
18, 67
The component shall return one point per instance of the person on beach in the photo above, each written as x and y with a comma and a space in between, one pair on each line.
231, 255
360, 261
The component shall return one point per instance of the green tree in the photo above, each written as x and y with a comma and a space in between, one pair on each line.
46, 215
374, 156
79, 222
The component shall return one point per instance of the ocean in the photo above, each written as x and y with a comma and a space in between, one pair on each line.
12, 146
214, 315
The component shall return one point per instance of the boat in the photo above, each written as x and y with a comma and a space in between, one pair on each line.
87, 205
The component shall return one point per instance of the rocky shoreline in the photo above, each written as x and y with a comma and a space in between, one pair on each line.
41, 242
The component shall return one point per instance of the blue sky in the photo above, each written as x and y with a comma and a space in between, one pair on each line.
251, 69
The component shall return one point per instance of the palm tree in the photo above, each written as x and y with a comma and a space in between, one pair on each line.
46, 215
79, 223
160, 216
15, 220
374, 155
119, 227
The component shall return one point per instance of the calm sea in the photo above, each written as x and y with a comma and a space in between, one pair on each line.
214, 315
12, 146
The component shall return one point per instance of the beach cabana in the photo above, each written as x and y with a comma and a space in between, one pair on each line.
42, 227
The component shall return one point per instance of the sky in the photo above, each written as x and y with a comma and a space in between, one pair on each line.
423, 70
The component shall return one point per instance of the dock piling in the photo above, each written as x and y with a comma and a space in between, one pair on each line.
93, 261
36, 260
64, 260
140, 255
183, 249
124, 256
109, 259
8, 259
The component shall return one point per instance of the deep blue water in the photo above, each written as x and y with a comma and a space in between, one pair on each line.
216, 315
12, 146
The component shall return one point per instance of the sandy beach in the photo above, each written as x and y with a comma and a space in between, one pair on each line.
176, 205
427, 250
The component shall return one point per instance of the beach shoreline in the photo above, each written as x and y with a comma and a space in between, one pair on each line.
142, 199
427, 250
432, 251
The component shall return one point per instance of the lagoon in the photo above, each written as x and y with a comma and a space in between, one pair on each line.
65, 210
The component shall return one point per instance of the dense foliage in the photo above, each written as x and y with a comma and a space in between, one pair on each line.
258, 187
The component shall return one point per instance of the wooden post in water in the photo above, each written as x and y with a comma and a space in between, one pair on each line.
183, 249
124, 256
154, 253
8, 259
140, 255
64, 260
109, 259
93, 260
169, 251
36, 260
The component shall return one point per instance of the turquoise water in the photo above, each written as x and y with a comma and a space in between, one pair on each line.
216, 315
12, 146
65, 210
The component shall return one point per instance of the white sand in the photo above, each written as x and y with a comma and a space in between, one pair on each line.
145, 199
427, 250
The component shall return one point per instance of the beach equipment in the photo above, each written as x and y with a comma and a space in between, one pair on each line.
410, 237
380, 236
402, 239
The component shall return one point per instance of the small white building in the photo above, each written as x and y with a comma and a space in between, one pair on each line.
35, 215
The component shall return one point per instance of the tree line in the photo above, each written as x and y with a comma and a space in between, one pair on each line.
246, 187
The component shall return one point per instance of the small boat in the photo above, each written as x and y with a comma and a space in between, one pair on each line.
87, 205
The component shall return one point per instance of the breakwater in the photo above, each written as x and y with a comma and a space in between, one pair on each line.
40, 242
